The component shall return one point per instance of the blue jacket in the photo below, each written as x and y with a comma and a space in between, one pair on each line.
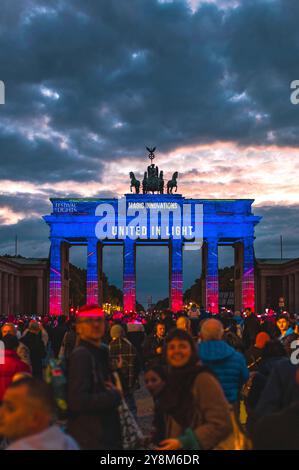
228, 365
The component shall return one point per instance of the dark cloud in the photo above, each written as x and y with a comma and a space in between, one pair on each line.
143, 72
276, 221
40, 160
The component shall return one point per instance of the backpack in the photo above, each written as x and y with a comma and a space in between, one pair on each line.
55, 376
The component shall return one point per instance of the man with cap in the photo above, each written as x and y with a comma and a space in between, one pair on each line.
93, 399
124, 360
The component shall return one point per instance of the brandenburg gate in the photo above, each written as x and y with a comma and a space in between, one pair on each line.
158, 219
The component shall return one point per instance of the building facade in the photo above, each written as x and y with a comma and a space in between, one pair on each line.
24, 286
277, 278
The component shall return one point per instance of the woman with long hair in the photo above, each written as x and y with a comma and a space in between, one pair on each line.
192, 412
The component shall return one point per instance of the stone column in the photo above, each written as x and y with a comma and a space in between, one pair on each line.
1, 293
5, 294
238, 275
204, 257
297, 292
176, 275
129, 275
92, 291
248, 293
17, 295
263, 295
100, 273
55, 288
285, 293
291, 302
65, 278
212, 282
40, 296
11, 300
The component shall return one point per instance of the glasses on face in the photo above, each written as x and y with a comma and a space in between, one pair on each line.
91, 321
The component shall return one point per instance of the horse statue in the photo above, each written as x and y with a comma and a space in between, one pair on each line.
134, 183
171, 184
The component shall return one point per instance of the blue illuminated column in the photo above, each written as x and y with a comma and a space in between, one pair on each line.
175, 275
129, 275
55, 294
92, 278
248, 295
212, 283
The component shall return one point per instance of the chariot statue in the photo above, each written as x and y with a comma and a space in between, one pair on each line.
153, 180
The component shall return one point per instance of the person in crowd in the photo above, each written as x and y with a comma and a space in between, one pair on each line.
279, 430
155, 379
287, 333
203, 314
32, 339
12, 363
271, 354
124, 360
238, 318
281, 389
184, 323
93, 399
166, 318
230, 335
254, 353
153, 346
22, 350
44, 335
26, 418
69, 342
58, 335
281, 307
228, 365
251, 328
193, 315
192, 412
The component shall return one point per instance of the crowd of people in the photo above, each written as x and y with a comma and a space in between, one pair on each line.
228, 381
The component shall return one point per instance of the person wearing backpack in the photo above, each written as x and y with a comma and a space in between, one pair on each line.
93, 399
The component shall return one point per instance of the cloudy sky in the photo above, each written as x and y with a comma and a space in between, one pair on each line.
89, 83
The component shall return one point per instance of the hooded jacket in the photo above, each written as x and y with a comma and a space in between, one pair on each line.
228, 365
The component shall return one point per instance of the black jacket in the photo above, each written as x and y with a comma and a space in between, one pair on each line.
94, 419
150, 345
251, 329
37, 352
281, 389
278, 431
